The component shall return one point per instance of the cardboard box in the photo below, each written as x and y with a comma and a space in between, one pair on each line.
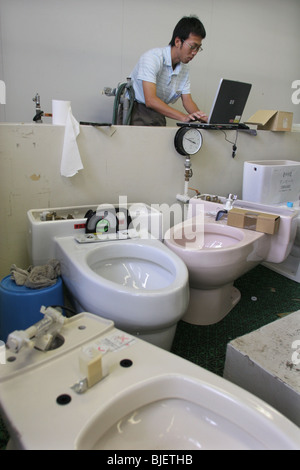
252, 220
271, 120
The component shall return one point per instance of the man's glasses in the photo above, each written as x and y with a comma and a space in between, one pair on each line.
194, 48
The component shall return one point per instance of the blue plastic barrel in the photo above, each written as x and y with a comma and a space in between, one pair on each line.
20, 306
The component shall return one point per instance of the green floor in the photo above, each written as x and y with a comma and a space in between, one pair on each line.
265, 296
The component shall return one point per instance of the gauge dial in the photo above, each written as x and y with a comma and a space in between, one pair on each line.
188, 141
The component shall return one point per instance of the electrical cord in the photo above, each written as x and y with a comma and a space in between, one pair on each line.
234, 146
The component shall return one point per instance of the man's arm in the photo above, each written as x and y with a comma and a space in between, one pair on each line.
191, 107
152, 101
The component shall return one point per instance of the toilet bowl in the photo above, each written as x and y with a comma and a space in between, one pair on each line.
149, 399
140, 285
136, 282
217, 254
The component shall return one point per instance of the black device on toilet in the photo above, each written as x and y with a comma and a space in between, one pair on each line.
107, 220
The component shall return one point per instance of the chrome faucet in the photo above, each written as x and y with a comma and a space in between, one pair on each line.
231, 198
38, 112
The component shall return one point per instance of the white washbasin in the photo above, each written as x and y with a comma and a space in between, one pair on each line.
176, 411
150, 399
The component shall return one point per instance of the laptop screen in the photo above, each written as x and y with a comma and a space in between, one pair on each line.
230, 102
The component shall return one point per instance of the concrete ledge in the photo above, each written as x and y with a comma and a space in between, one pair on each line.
266, 362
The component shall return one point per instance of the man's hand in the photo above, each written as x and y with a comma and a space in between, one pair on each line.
196, 116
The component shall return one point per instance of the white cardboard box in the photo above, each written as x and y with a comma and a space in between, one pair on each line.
266, 362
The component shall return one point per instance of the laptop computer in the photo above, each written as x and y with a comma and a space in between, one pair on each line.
227, 108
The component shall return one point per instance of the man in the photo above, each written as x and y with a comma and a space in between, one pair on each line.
162, 76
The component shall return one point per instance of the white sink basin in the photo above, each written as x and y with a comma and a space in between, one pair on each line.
176, 412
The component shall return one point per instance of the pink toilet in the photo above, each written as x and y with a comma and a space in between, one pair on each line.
216, 254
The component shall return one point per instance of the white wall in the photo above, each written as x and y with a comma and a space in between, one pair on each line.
72, 49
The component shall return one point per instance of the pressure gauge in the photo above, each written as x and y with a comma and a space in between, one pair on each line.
188, 140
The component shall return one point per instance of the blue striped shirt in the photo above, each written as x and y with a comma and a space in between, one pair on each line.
155, 66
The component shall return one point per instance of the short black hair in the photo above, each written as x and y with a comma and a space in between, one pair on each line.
186, 26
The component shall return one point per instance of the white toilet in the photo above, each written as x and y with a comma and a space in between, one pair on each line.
217, 254
133, 280
276, 182
143, 398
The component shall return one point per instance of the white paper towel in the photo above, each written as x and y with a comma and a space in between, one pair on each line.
60, 111
71, 161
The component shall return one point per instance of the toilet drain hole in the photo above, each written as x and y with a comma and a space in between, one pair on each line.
63, 399
57, 342
11, 358
126, 363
